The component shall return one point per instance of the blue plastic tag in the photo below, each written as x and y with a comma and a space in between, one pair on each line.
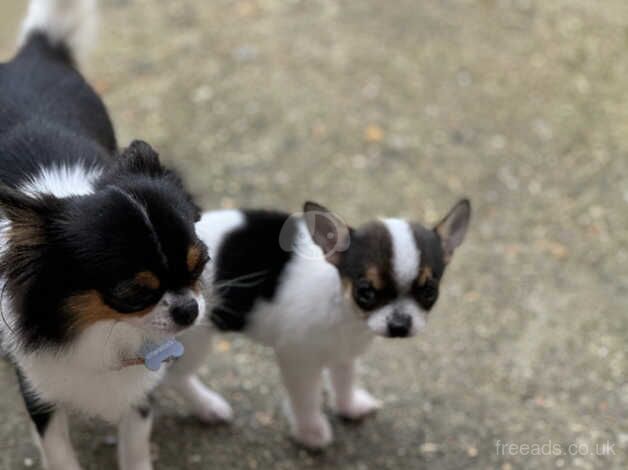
154, 354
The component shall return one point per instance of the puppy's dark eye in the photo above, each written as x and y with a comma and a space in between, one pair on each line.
365, 294
428, 294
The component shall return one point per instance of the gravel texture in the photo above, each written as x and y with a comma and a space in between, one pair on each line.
398, 108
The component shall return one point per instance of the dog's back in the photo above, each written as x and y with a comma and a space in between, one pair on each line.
49, 115
272, 282
247, 261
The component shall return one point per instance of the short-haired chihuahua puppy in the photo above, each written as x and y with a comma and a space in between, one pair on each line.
318, 291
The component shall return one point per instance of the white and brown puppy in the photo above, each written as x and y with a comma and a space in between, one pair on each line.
318, 291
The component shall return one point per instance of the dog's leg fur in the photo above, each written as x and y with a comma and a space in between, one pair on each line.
49, 429
134, 439
69, 23
303, 381
55, 445
348, 400
205, 404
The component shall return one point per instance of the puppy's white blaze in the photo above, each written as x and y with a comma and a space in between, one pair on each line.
70, 22
406, 255
62, 181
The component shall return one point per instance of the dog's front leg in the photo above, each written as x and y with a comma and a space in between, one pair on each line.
134, 438
303, 381
54, 441
50, 430
348, 400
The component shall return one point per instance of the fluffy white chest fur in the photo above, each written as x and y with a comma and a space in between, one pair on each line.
87, 376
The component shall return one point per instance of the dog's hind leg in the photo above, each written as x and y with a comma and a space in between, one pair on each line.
303, 381
50, 430
134, 439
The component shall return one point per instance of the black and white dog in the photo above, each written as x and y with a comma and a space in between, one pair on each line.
98, 252
318, 291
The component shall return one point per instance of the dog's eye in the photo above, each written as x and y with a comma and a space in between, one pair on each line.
128, 296
429, 293
365, 294
198, 270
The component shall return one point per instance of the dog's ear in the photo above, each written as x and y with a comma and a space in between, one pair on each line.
15, 205
453, 228
24, 210
26, 232
140, 157
328, 230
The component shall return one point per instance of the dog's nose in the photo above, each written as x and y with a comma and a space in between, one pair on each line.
185, 312
399, 325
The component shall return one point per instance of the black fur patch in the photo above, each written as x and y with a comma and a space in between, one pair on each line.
40, 412
431, 249
251, 258
371, 246
425, 291
42, 92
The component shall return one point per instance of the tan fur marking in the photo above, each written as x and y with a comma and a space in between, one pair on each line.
25, 234
89, 308
147, 279
373, 275
194, 257
425, 275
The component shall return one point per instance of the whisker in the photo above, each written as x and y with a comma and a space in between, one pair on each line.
4, 320
104, 350
234, 282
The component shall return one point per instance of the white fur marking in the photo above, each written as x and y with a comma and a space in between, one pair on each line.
57, 451
62, 181
134, 441
214, 225
70, 22
406, 255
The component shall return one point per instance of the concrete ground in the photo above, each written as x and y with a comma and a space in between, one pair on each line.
398, 108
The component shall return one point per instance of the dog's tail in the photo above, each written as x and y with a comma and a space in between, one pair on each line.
67, 24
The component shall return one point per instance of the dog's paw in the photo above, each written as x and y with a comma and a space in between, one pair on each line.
314, 434
211, 408
361, 405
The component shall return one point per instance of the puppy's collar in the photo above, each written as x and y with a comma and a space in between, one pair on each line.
153, 354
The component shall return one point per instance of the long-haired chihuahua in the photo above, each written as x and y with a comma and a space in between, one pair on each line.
99, 260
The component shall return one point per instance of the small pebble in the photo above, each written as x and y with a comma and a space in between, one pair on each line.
428, 448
